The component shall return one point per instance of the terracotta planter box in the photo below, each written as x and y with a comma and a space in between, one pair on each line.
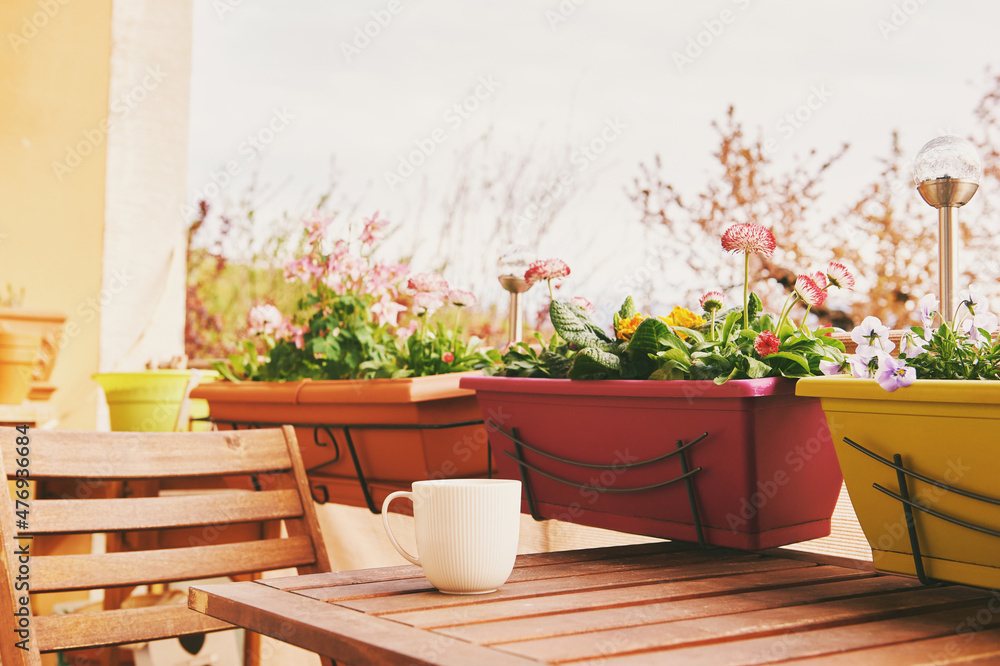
768, 475
945, 431
46, 324
390, 459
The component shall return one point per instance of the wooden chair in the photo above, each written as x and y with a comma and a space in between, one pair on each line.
192, 533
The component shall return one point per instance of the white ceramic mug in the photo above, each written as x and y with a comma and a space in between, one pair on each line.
467, 531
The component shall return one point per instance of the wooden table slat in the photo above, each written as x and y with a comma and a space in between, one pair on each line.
584, 599
526, 625
341, 593
322, 580
726, 628
359, 639
432, 599
894, 642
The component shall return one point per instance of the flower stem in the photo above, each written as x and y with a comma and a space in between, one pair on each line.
551, 294
746, 289
786, 309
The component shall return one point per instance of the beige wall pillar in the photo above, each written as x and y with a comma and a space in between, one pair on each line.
93, 157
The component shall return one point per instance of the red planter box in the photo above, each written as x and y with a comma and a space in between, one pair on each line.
768, 473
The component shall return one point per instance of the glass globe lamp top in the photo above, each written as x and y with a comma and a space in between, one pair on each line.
947, 157
515, 260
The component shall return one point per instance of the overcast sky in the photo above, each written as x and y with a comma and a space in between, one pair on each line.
280, 89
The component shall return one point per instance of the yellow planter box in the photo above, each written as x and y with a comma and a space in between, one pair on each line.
948, 431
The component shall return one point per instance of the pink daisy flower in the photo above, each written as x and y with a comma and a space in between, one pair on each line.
712, 301
447, 357
809, 291
428, 301
265, 319
747, 237
583, 304
766, 343
839, 276
546, 269
430, 283
461, 298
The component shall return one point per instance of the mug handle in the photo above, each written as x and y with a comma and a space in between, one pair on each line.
388, 530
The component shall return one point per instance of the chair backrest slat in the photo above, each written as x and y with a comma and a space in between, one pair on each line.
154, 455
85, 572
141, 513
72, 631
173, 507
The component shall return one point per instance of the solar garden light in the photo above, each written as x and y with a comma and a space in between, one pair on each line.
514, 261
947, 172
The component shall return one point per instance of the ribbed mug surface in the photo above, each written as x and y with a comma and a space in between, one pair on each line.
466, 532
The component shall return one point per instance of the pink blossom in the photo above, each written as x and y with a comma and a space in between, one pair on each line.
430, 283
302, 270
809, 291
713, 300
428, 301
386, 312
747, 237
372, 232
447, 357
462, 298
404, 332
819, 277
316, 226
264, 319
545, 269
766, 343
839, 276
583, 304
298, 335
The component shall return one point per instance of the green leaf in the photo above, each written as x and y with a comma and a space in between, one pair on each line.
575, 328
757, 369
796, 358
646, 339
727, 329
754, 306
627, 310
593, 363
697, 337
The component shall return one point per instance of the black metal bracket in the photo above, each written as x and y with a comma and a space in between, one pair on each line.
687, 474
909, 504
328, 429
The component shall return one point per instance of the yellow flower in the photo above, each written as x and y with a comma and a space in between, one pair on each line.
683, 317
627, 327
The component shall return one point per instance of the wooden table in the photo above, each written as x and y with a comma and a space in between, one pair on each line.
647, 604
